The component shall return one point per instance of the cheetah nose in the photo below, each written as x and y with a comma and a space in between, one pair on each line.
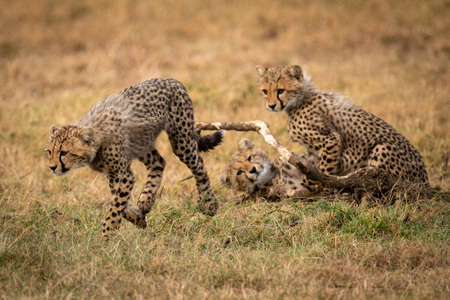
253, 170
272, 107
53, 168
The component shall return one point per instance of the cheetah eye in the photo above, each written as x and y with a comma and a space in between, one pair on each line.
264, 92
239, 172
48, 152
63, 153
280, 91
249, 159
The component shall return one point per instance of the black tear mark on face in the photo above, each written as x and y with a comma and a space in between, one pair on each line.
63, 167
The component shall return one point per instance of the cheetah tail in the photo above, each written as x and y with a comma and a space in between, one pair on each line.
210, 141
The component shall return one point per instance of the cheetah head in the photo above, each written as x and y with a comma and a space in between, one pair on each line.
248, 168
70, 147
280, 85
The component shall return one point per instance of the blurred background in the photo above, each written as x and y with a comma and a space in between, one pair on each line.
59, 58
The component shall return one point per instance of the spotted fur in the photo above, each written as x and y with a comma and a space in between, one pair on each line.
250, 170
340, 136
125, 127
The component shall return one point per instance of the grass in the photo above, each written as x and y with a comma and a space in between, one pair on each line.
257, 249
60, 58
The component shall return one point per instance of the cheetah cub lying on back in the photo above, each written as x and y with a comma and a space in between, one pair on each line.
251, 171
340, 136
125, 127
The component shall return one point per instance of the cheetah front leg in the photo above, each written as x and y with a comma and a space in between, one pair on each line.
121, 185
329, 154
155, 167
130, 213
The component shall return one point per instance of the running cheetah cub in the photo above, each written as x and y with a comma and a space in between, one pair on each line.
125, 127
251, 171
340, 136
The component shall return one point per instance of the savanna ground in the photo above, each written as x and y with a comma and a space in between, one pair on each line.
58, 58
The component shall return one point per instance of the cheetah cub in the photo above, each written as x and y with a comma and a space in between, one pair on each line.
251, 171
341, 137
125, 127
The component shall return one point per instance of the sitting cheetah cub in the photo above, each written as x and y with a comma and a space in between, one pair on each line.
251, 171
340, 136
125, 127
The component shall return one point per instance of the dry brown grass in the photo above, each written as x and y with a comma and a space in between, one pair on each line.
58, 58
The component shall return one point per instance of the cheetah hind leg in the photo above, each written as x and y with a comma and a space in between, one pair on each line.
187, 151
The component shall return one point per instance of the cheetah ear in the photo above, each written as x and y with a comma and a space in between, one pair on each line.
224, 180
261, 71
245, 144
87, 134
295, 71
53, 129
